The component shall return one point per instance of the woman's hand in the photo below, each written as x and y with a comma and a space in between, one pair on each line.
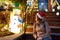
35, 36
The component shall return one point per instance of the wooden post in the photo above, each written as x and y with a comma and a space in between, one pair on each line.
49, 6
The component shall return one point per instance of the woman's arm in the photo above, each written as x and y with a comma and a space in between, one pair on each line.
34, 31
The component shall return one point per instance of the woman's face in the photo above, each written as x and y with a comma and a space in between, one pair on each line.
37, 19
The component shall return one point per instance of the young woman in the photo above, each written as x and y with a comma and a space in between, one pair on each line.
41, 30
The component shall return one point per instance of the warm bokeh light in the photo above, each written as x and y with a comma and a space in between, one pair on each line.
58, 7
53, 10
5, 27
57, 13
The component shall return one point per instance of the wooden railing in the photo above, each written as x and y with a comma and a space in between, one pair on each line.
53, 19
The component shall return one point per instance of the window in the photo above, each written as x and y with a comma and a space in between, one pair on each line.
43, 5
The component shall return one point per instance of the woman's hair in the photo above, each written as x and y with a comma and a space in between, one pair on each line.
41, 20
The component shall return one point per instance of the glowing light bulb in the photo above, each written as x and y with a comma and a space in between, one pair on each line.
53, 10
58, 7
57, 13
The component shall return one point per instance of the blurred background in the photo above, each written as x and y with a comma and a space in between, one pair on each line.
28, 9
